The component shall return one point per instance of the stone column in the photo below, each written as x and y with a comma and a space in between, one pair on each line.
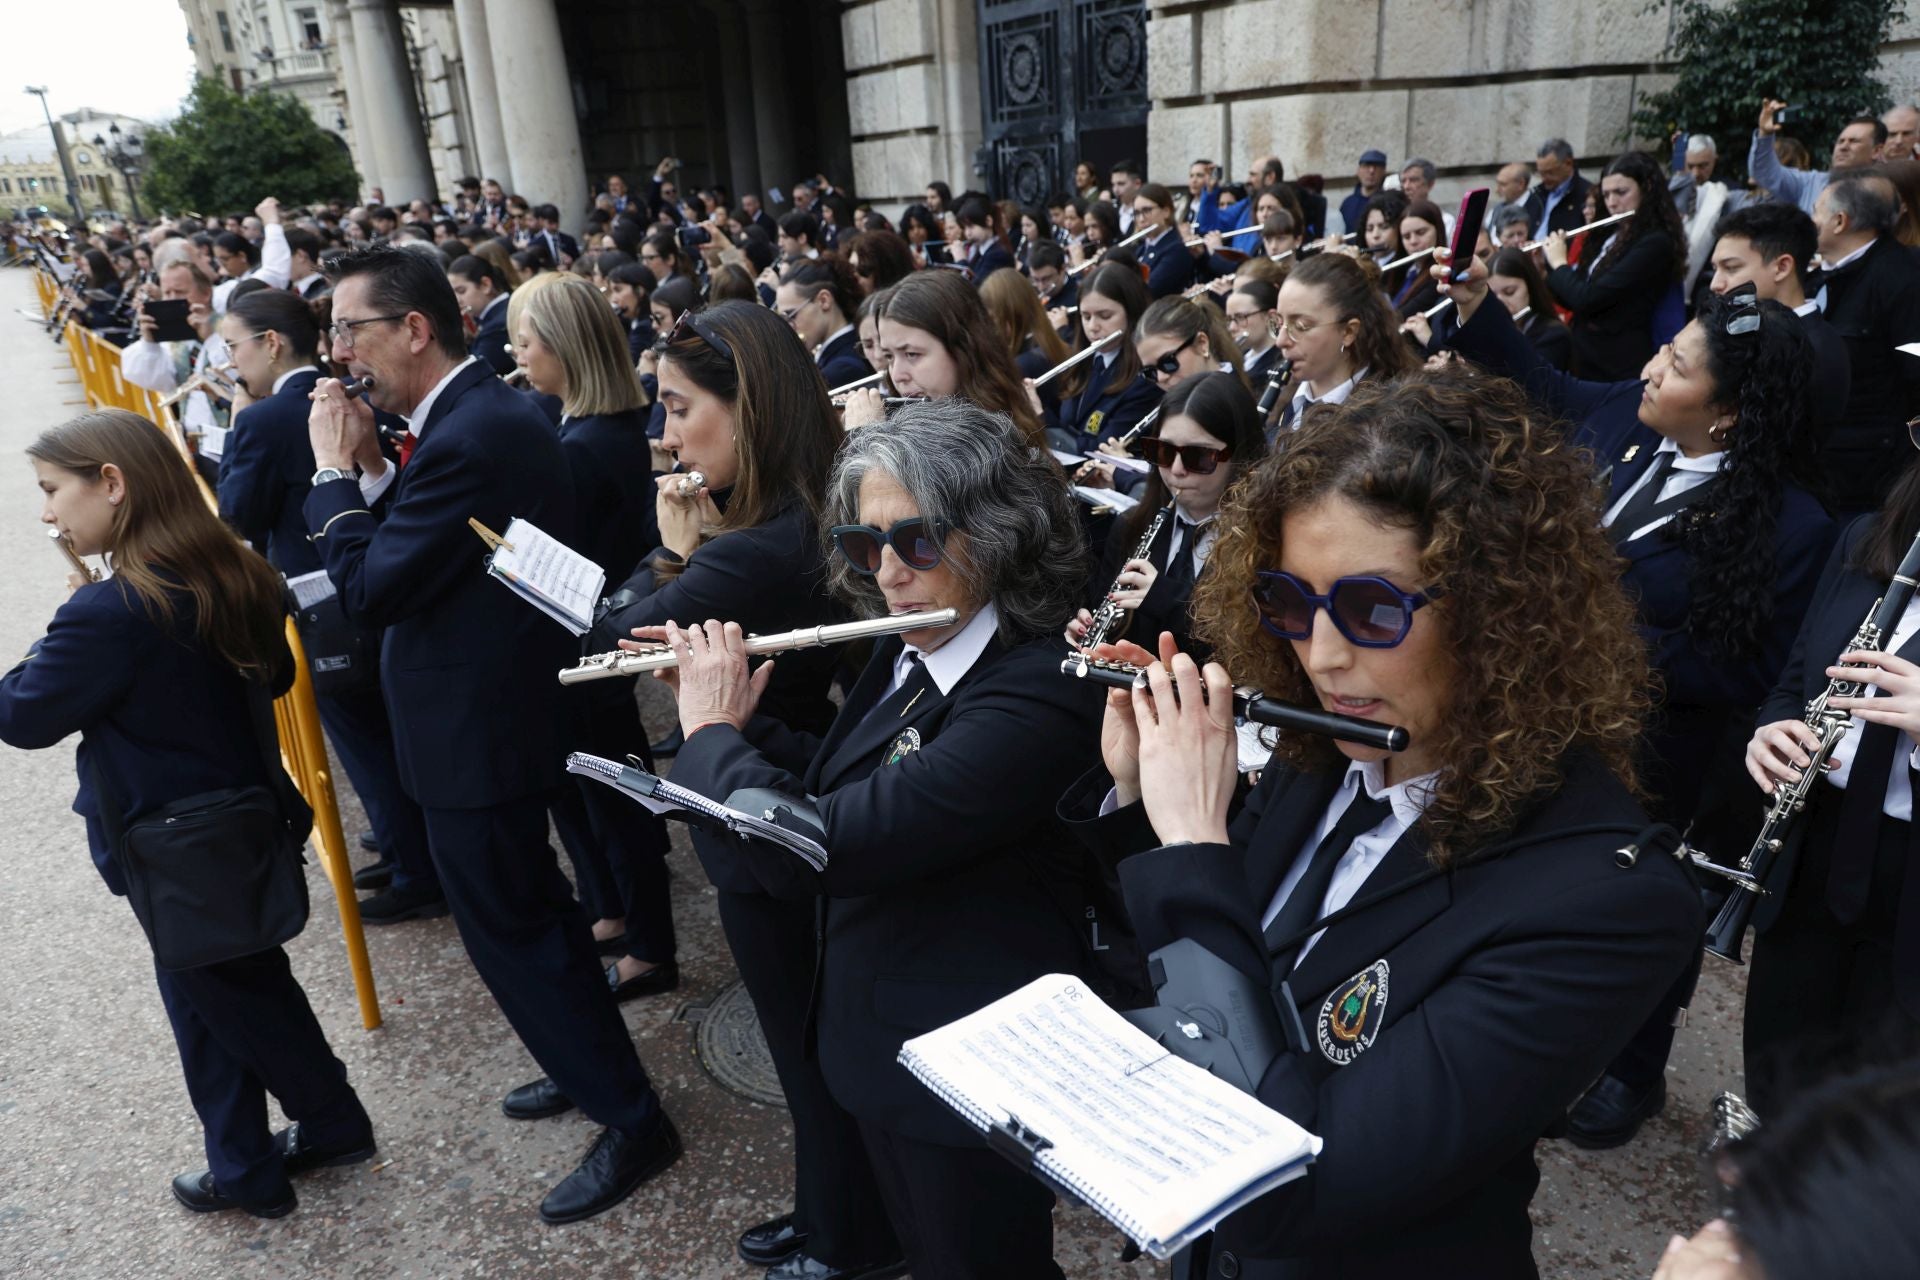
743, 140
767, 74
483, 95
358, 134
389, 117
542, 131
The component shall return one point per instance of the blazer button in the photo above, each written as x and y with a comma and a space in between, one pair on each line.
1229, 1266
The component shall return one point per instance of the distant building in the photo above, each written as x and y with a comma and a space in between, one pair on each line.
30, 163
282, 45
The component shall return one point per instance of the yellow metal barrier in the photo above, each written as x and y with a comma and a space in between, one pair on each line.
302, 746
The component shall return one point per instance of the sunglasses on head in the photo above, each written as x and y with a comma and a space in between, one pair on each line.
1169, 363
916, 540
1744, 315
1199, 459
1370, 612
687, 323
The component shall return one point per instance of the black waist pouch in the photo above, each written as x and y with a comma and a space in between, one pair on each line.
342, 655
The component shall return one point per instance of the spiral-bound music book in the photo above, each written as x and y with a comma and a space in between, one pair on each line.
545, 572
1066, 1087
669, 801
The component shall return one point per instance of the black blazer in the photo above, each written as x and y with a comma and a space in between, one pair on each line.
1169, 266
1550, 338
1873, 303
768, 578
1119, 409
987, 259
639, 337
1511, 983
490, 340
1613, 311
840, 360
467, 666
614, 494
1165, 608
1832, 372
265, 473
159, 714
950, 882
1571, 212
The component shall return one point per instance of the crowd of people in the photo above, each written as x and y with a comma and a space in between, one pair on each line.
1590, 498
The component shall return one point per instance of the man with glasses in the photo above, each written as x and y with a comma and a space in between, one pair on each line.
468, 673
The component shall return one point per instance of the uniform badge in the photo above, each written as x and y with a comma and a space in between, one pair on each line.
1093, 422
903, 746
1632, 449
1350, 1019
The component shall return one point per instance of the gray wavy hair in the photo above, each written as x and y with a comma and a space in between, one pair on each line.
972, 470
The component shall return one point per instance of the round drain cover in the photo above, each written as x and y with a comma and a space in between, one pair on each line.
727, 1040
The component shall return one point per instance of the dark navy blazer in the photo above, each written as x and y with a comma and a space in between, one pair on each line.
490, 339
840, 360
614, 494
1119, 408
467, 666
1170, 267
265, 472
986, 260
159, 714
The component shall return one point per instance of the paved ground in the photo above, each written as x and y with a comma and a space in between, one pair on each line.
94, 1119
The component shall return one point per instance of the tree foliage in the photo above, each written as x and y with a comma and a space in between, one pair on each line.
226, 152
1819, 55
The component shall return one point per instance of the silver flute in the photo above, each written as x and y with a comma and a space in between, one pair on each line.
625, 662
80, 566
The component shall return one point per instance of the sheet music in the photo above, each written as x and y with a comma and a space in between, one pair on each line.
1105, 498
559, 580
309, 589
659, 796
1160, 1147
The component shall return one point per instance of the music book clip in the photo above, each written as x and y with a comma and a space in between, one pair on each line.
493, 540
1016, 1142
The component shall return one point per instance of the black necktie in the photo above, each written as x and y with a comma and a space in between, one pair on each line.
1302, 906
1645, 498
1179, 581
892, 695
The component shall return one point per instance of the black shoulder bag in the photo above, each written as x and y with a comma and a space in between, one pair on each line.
216, 876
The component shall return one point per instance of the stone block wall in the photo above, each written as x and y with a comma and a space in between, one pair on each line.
913, 94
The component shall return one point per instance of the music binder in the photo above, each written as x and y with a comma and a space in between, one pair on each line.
783, 820
1077, 1096
545, 572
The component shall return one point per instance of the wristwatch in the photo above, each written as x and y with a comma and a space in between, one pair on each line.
325, 474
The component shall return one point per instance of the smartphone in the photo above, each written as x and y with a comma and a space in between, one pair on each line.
170, 320
1466, 233
774, 196
1789, 115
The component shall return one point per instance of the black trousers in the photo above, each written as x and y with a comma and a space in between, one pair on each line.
836, 1199
1821, 990
963, 1213
533, 946
245, 1030
362, 736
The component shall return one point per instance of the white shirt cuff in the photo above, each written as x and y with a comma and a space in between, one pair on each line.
1110, 803
371, 487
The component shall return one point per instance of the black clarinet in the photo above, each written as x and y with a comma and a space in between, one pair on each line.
1257, 707
1269, 397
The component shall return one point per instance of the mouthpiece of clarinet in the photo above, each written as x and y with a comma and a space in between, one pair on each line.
357, 387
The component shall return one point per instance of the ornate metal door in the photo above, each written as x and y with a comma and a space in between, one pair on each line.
1053, 72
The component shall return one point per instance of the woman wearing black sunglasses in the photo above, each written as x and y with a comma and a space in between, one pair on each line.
1710, 502
1451, 926
951, 882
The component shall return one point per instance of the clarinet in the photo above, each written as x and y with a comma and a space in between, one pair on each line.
1830, 725
1109, 614
1282, 374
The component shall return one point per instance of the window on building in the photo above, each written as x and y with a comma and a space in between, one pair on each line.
6, 186
239, 85
226, 30
308, 20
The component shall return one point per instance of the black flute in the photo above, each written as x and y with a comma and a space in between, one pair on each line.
1257, 707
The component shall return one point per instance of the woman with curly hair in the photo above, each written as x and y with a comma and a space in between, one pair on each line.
1621, 280
1710, 501
1452, 926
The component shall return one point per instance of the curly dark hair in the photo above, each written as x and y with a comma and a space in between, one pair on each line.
1766, 378
1544, 654
1656, 215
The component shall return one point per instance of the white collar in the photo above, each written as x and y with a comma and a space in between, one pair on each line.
1705, 464
1807, 308
488, 309
1408, 799
1336, 396
1253, 358
417, 420
300, 285
1838, 263
289, 376
952, 660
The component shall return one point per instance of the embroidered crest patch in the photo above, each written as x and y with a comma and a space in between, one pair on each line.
902, 747
1350, 1019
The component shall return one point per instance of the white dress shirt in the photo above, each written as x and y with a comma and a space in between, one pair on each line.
952, 660
1899, 800
1408, 799
1687, 473
1303, 396
371, 487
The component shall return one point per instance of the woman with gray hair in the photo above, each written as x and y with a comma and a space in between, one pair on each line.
949, 882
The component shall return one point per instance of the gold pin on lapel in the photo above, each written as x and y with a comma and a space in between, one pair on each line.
910, 701
1628, 455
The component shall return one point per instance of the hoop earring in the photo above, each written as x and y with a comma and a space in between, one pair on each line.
1719, 432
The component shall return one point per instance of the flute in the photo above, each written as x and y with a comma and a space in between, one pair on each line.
1412, 257
840, 393
1531, 245
1094, 261
1305, 251
1072, 360
626, 662
80, 566
689, 484
840, 402
1256, 707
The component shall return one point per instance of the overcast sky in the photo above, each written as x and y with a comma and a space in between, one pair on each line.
121, 57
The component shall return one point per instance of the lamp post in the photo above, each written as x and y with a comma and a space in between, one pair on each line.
123, 153
66, 161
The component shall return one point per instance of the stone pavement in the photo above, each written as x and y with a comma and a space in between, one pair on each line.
94, 1119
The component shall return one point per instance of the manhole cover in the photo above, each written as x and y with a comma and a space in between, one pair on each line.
727, 1040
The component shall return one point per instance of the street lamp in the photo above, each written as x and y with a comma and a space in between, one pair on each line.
66, 161
123, 153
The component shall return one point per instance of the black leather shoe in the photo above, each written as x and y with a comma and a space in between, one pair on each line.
375, 875
197, 1192
801, 1266
614, 946
662, 977
771, 1242
369, 842
299, 1158
615, 1167
1612, 1112
536, 1101
669, 745
392, 905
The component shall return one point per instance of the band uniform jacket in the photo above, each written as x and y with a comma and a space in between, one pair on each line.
950, 878
266, 470
985, 259
840, 360
1169, 266
1873, 304
1498, 991
610, 459
1120, 408
467, 666
1613, 300
490, 339
1166, 606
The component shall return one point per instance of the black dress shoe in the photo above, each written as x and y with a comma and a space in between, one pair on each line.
375, 875
614, 946
669, 745
771, 1242
392, 905
369, 842
615, 1167
197, 1192
1612, 1112
298, 1158
536, 1101
801, 1266
662, 977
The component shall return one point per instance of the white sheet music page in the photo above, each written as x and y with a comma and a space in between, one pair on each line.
553, 576
1158, 1146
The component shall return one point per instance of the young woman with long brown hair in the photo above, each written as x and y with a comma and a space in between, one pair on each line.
158, 669
1338, 330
